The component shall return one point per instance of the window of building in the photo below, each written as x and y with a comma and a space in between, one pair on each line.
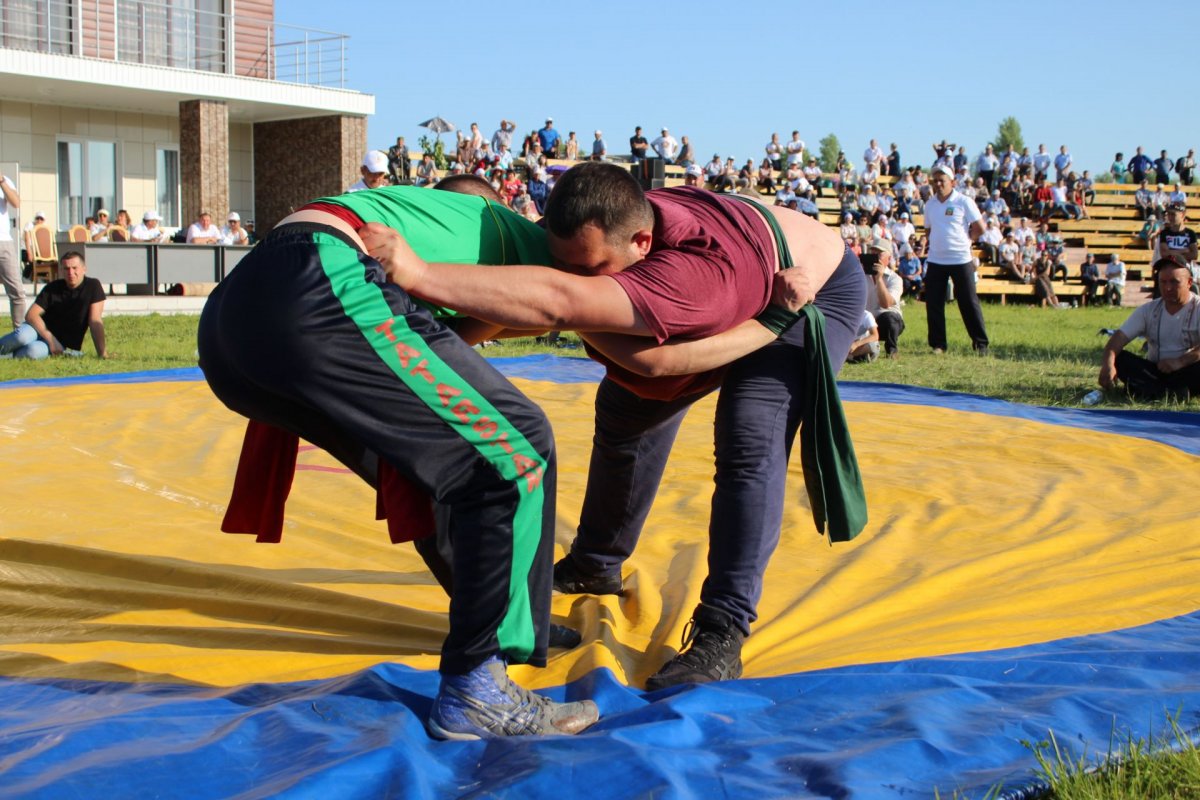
47, 26
189, 34
87, 179
166, 184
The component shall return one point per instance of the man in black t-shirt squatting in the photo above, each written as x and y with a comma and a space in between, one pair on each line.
63, 311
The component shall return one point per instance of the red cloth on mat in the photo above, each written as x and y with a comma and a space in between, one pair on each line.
266, 467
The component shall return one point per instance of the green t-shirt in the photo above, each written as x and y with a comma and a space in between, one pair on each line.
450, 228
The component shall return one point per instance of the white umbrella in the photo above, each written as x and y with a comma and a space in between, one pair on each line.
438, 126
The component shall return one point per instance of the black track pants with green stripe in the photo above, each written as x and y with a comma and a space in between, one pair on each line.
306, 335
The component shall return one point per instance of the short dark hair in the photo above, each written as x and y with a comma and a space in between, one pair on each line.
600, 194
72, 254
467, 183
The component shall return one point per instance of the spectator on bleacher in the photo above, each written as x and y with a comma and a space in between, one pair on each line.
1051, 245
1077, 194
774, 152
785, 195
1114, 274
961, 160
399, 163
924, 189
666, 147
1149, 232
1062, 163
427, 173
503, 158
911, 271
374, 172
1009, 258
748, 172
1185, 166
943, 153
848, 201
1029, 254
887, 200
1008, 169
868, 201
903, 231
510, 187
1024, 231
1043, 200
986, 166
963, 181
639, 146
892, 165
1174, 239
1163, 166
694, 176
812, 174
527, 144
464, 153
98, 230
476, 138
572, 147
534, 158
1089, 275
1160, 201
1085, 187
989, 242
599, 148
849, 232
503, 135
995, 205
1139, 165
1025, 162
881, 229
1177, 195
807, 206
1024, 196
1043, 287
974, 189
953, 222
687, 154
1143, 200
714, 171
233, 233
884, 290
1119, 168
795, 149
1171, 327
874, 156
862, 228
538, 190
793, 175
548, 138
847, 177
841, 161
1061, 203
765, 180
1041, 164
870, 174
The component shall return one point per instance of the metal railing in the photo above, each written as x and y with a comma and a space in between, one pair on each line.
175, 33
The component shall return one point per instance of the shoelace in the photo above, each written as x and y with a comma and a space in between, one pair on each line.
517, 718
705, 644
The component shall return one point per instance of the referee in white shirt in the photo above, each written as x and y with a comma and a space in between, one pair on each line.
953, 222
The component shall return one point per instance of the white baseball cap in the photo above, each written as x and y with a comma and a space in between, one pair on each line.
39, 215
695, 171
233, 217
151, 215
375, 161
945, 170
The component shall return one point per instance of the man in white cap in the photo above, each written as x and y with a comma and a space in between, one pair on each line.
233, 232
10, 264
666, 146
599, 148
374, 172
693, 176
147, 230
98, 231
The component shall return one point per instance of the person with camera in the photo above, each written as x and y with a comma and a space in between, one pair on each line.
884, 288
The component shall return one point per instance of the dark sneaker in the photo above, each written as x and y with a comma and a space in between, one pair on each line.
485, 704
713, 652
569, 580
564, 637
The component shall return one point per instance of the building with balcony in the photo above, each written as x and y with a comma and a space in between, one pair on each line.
175, 105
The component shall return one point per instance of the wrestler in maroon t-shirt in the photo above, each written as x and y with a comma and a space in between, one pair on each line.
710, 269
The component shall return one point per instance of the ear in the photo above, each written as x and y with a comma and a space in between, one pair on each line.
642, 239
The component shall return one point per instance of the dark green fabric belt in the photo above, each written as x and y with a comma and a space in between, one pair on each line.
831, 473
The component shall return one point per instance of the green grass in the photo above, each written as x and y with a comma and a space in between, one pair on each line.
1038, 356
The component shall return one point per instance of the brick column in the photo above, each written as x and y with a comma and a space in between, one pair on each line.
299, 160
204, 158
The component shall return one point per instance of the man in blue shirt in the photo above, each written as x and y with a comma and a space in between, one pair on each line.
1062, 164
1163, 165
548, 139
1139, 165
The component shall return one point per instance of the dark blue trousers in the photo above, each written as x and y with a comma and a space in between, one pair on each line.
758, 416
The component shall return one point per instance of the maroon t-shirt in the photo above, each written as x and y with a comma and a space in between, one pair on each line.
709, 269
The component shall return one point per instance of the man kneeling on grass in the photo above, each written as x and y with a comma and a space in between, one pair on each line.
1171, 327
64, 310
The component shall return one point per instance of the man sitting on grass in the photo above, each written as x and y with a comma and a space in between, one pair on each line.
1171, 327
64, 310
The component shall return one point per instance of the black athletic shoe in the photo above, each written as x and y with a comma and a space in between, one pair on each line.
713, 652
569, 580
564, 637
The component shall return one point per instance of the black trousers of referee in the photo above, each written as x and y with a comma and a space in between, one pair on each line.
306, 335
963, 275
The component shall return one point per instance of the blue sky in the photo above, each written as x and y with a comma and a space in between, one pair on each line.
728, 74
